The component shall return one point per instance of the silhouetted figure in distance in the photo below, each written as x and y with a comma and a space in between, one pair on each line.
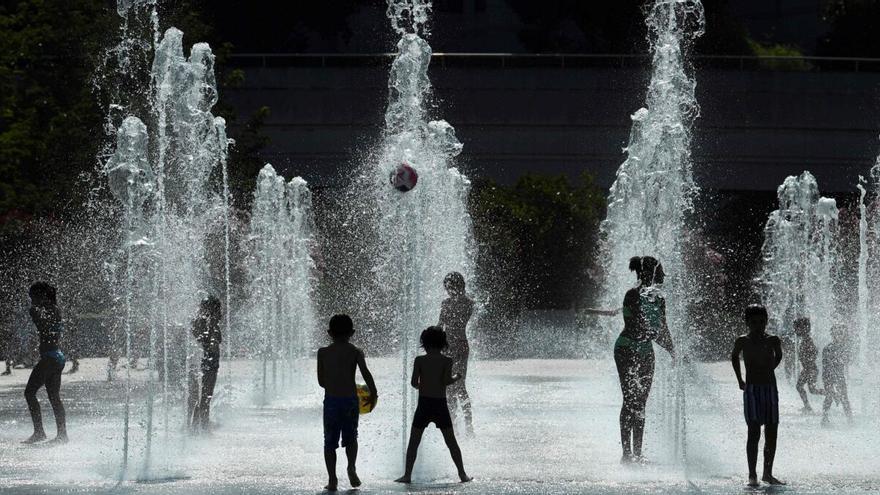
644, 321
834, 359
807, 353
761, 353
48, 320
336, 369
432, 373
455, 313
206, 330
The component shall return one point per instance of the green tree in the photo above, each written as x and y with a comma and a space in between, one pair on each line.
50, 126
536, 240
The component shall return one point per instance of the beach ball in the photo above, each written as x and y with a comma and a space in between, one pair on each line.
363, 393
404, 177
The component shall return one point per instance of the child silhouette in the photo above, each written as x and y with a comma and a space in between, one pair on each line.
336, 366
432, 373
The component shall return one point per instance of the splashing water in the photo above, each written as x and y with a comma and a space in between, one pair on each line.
425, 233
800, 258
161, 173
281, 285
651, 198
868, 339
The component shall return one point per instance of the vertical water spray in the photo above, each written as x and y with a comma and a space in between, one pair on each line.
132, 182
652, 195
868, 338
800, 257
280, 268
426, 232
183, 144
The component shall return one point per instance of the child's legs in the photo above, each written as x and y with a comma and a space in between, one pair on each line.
770, 431
209, 380
36, 380
830, 393
843, 394
458, 396
351, 453
752, 447
330, 463
623, 358
454, 449
801, 389
53, 389
412, 449
643, 390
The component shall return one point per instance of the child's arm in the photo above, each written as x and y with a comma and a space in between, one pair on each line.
368, 377
448, 377
321, 368
664, 338
416, 374
734, 360
777, 351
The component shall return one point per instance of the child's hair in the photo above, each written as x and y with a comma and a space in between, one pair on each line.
754, 310
648, 269
434, 338
802, 325
454, 282
341, 327
44, 291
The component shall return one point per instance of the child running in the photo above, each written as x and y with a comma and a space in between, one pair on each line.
807, 353
47, 318
761, 353
834, 373
432, 373
336, 368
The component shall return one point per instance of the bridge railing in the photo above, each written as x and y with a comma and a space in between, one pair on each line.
561, 61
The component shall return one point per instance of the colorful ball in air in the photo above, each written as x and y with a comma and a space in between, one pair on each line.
363, 393
404, 177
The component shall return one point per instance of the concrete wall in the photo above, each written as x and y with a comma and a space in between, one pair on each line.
756, 126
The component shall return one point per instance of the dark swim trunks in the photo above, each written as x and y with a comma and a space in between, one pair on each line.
432, 410
340, 419
761, 404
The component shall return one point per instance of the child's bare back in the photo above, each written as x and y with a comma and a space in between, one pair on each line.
432, 373
336, 367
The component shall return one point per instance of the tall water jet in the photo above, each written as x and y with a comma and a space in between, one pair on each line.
132, 182
652, 196
183, 144
280, 271
868, 338
800, 257
426, 232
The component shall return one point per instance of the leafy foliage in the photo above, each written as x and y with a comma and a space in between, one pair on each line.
50, 126
536, 241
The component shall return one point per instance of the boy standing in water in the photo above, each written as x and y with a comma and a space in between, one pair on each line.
807, 353
336, 367
432, 373
47, 318
834, 358
761, 353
